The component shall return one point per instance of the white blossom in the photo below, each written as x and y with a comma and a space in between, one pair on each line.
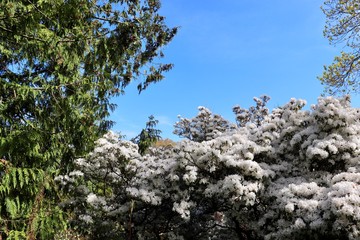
86, 218
297, 170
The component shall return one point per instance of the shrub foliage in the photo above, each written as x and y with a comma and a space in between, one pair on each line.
288, 174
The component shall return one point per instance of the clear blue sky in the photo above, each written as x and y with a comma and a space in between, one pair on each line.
226, 53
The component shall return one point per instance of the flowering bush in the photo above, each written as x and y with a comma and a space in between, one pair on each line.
205, 126
288, 174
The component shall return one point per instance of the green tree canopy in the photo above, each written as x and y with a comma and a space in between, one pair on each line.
343, 26
60, 63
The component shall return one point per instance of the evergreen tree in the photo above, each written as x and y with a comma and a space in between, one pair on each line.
60, 63
342, 26
148, 136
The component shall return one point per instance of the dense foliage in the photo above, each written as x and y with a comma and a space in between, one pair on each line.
342, 26
60, 63
148, 136
204, 126
289, 174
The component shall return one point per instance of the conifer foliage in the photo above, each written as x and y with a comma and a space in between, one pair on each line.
148, 136
60, 63
342, 26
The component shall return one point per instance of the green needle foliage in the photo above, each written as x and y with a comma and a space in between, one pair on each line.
60, 63
148, 136
342, 26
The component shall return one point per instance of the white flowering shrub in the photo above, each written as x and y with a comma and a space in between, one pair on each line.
254, 114
315, 157
205, 126
98, 181
288, 174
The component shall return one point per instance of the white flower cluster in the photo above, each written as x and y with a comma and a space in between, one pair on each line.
288, 174
205, 126
317, 195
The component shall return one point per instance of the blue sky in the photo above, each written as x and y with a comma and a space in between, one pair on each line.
226, 53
